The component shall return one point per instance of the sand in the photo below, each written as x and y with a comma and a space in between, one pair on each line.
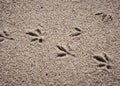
59, 42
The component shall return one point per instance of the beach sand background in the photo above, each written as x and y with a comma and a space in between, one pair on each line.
59, 42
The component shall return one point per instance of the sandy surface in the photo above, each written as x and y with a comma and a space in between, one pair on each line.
59, 42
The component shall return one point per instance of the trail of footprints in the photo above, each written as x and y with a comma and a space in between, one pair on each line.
103, 61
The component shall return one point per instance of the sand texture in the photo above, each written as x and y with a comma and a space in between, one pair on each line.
59, 42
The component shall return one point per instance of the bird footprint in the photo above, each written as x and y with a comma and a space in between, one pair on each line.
37, 36
76, 33
5, 35
104, 61
104, 17
65, 52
